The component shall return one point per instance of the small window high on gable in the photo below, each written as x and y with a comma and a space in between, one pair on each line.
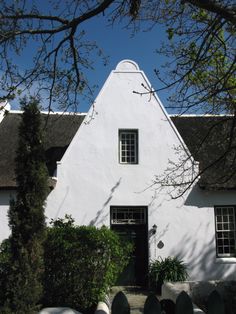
128, 146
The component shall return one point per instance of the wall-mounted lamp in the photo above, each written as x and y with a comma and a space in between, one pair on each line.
154, 229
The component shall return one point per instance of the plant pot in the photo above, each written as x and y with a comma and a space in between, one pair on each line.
159, 284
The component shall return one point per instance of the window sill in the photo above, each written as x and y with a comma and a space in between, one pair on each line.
128, 163
225, 260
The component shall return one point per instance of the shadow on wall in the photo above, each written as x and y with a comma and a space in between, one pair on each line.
208, 198
6, 196
200, 258
62, 202
102, 214
199, 198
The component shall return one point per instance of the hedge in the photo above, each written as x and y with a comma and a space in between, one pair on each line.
81, 263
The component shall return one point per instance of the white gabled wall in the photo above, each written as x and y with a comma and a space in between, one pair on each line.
90, 178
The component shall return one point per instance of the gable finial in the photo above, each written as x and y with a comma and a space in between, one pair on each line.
127, 66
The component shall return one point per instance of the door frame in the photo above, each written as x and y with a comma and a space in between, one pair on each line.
142, 221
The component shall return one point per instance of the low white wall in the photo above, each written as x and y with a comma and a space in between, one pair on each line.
58, 310
172, 290
102, 308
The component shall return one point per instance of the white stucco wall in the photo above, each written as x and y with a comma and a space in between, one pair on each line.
5, 196
91, 162
91, 179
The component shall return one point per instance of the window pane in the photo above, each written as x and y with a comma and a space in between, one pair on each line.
231, 210
226, 249
220, 242
225, 230
232, 242
226, 226
218, 211
128, 215
225, 218
128, 143
219, 226
226, 242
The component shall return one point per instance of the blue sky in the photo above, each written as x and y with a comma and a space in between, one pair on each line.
117, 43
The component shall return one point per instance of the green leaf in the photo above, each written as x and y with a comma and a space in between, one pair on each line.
170, 32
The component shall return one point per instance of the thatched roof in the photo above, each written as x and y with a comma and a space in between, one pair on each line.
211, 141
59, 131
207, 138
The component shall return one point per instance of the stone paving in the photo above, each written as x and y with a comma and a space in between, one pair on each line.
136, 297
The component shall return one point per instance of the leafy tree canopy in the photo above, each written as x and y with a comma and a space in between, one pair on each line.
200, 47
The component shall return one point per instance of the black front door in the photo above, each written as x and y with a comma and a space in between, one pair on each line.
135, 273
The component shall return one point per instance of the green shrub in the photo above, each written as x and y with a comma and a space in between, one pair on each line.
168, 269
4, 269
81, 263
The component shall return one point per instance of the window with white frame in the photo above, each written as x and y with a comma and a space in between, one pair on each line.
128, 146
134, 215
225, 231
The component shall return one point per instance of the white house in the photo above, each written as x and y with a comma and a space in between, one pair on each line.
106, 163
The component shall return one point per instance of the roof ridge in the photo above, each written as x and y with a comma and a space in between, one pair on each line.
200, 115
53, 113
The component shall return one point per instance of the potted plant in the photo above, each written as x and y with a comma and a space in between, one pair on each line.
168, 269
